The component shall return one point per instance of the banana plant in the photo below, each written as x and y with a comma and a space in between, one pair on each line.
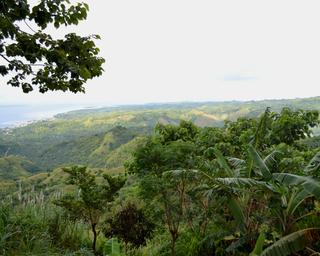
292, 190
243, 186
247, 177
293, 243
313, 166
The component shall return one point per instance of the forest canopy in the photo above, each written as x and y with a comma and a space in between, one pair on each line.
250, 187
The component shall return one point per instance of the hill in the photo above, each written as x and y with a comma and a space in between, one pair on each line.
104, 137
13, 167
86, 150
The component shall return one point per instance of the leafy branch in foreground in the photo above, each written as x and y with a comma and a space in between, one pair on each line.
35, 58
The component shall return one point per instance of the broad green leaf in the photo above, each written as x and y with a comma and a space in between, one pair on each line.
309, 184
258, 248
297, 199
243, 182
237, 213
313, 165
223, 162
292, 243
260, 163
85, 73
238, 243
270, 159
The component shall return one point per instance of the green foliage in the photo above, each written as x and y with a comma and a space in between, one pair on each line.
293, 243
93, 198
130, 225
186, 131
182, 170
290, 126
259, 245
123, 153
309, 184
231, 190
71, 137
312, 143
52, 64
313, 166
40, 230
262, 167
15, 167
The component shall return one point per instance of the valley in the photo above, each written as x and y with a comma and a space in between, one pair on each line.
148, 152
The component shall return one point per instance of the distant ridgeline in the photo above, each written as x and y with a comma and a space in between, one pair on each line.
106, 137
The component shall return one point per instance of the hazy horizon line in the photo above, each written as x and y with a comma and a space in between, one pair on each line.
101, 104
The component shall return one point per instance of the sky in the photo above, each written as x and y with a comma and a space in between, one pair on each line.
195, 50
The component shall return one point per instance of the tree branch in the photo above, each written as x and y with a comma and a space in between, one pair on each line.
4, 57
30, 64
29, 27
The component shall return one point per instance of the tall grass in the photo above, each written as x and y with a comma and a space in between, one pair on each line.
31, 225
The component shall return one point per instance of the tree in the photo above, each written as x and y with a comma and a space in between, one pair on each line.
165, 164
130, 225
230, 204
93, 198
34, 58
153, 163
290, 126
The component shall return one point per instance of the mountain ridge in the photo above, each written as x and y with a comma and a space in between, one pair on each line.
97, 137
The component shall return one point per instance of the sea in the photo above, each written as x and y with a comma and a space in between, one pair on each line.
18, 115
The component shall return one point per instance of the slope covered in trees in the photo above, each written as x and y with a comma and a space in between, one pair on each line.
250, 187
15, 167
86, 136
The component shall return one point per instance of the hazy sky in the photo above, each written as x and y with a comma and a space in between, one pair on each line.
183, 50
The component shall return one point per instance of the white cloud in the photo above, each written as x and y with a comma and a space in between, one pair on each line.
174, 50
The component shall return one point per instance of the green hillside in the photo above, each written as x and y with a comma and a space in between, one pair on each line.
14, 167
211, 190
85, 150
98, 137
117, 157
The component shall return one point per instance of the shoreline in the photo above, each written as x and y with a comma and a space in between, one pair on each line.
16, 116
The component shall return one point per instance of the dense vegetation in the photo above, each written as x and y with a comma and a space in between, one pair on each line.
230, 179
248, 187
91, 136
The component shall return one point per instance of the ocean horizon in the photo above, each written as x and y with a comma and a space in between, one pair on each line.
16, 115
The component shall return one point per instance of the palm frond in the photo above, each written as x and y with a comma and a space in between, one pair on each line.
223, 162
296, 199
262, 129
239, 166
243, 182
309, 184
237, 212
270, 159
292, 243
236, 162
181, 173
313, 165
259, 163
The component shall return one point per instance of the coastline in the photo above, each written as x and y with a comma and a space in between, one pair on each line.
16, 116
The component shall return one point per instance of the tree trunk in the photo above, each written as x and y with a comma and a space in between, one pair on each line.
173, 248
173, 245
93, 227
